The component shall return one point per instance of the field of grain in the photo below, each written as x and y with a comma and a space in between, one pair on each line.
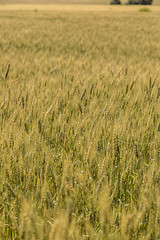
56, 1
79, 122
50, 2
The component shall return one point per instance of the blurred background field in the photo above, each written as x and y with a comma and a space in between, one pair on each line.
80, 122
54, 1
99, 2
79, 8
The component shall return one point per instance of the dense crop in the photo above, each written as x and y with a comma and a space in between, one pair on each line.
80, 125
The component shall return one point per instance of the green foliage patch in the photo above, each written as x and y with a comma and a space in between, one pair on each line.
144, 10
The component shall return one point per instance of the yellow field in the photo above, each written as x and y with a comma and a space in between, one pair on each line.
79, 122
91, 2
77, 7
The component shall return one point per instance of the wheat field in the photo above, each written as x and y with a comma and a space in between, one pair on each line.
79, 2
79, 122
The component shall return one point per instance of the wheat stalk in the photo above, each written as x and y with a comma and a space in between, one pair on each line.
5, 80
